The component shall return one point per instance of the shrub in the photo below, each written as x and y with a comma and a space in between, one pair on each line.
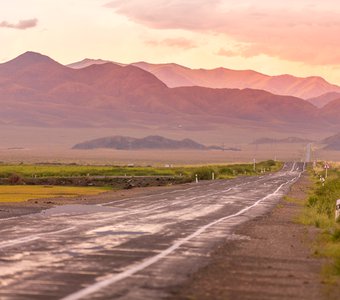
226, 171
203, 173
270, 163
14, 179
336, 235
312, 201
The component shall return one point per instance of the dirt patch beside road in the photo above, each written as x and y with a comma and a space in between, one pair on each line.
268, 258
119, 182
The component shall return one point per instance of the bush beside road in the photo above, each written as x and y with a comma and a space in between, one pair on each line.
320, 212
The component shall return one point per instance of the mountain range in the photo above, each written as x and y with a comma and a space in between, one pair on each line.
35, 90
174, 75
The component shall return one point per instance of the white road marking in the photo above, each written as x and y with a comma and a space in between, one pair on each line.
31, 238
26, 239
152, 260
144, 197
12, 218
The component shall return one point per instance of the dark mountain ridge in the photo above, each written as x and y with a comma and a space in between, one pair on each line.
149, 142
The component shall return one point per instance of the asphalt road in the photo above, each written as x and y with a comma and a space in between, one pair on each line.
309, 152
136, 248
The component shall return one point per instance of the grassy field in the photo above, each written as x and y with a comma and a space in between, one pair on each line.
23, 193
204, 172
320, 212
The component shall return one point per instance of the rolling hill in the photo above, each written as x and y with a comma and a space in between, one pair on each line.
36, 90
332, 142
330, 112
324, 99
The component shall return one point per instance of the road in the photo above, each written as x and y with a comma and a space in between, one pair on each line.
309, 153
137, 248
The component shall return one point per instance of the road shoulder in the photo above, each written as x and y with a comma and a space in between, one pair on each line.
268, 258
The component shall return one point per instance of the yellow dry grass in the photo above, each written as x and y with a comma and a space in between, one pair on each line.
12, 193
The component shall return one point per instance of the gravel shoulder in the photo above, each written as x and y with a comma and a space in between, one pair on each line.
270, 258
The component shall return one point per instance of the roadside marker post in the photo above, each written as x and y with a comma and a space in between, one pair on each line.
322, 180
337, 210
196, 178
213, 176
326, 167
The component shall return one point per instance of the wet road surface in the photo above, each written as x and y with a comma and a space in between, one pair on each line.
137, 248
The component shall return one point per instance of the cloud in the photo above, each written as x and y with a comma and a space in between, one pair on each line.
21, 25
173, 43
164, 14
237, 50
227, 52
305, 31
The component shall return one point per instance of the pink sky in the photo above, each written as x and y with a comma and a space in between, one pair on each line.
300, 37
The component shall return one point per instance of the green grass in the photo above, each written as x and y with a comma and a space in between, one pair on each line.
10, 193
204, 172
79, 170
320, 212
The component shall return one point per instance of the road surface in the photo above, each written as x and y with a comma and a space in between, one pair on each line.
308, 153
136, 248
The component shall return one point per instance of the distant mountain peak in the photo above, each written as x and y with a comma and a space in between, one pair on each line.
34, 57
94, 60
87, 62
30, 58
